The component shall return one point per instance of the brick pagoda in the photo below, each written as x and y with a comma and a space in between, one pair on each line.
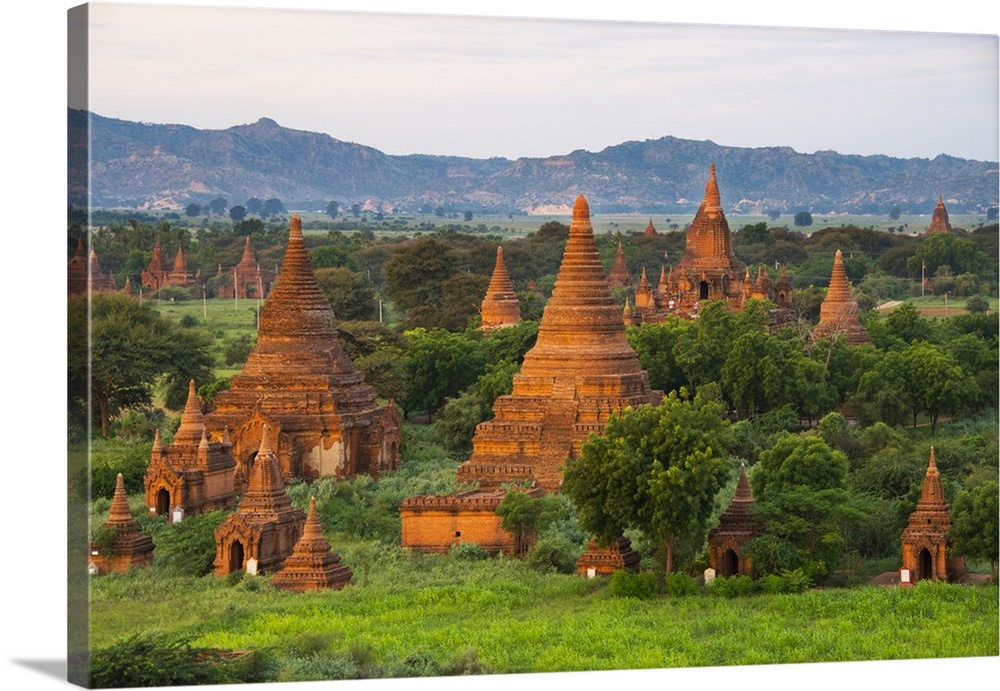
84, 273
312, 565
604, 561
839, 312
925, 538
325, 420
736, 528
580, 370
130, 546
619, 274
650, 231
500, 306
192, 473
939, 221
265, 526
156, 276
247, 279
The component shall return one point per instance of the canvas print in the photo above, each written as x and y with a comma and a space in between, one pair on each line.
411, 345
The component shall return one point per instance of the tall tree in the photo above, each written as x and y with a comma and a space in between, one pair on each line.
655, 469
974, 531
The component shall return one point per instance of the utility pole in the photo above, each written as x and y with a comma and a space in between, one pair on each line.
923, 265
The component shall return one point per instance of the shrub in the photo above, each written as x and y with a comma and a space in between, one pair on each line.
735, 586
640, 585
188, 547
553, 552
680, 585
468, 551
138, 425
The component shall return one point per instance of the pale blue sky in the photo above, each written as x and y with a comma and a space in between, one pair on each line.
481, 87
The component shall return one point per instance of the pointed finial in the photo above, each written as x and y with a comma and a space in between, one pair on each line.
932, 465
265, 447
157, 444
581, 209
296, 226
225, 435
203, 444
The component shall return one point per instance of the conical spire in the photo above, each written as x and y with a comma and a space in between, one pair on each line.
157, 444
312, 565
180, 266
743, 486
120, 512
713, 200
839, 311
650, 230
501, 287
265, 489
619, 274
644, 282
939, 221
931, 492
708, 242
192, 420
500, 307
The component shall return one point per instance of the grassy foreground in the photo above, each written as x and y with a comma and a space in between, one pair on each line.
413, 615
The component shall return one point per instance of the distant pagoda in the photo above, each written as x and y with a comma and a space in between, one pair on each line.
737, 526
650, 231
324, 419
247, 279
839, 312
620, 276
500, 307
939, 221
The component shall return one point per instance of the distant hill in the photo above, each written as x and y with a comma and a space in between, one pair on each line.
169, 166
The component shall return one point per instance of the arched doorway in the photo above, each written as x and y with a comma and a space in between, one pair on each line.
703, 290
236, 556
925, 565
730, 563
162, 501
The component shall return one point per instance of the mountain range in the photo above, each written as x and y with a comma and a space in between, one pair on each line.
164, 166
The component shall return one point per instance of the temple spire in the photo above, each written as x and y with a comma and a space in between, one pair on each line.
192, 419
713, 199
120, 512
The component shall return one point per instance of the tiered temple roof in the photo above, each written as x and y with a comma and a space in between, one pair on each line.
580, 370
247, 279
265, 525
839, 312
192, 473
650, 230
130, 546
736, 527
325, 420
312, 565
500, 306
620, 275
156, 276
925, 538
939, 221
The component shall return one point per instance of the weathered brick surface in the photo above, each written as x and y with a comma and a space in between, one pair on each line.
436, 523
131, 548
299, 382
736, 527
247, 279
939, 221
500, 307
925, 539
312, 564
839, 312
617, 556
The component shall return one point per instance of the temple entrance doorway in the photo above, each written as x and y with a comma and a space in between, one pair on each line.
703, 290
162, 502
925, 565
730, 564
236, 556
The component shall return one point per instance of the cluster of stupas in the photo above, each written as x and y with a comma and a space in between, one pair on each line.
156, 275
84, 274
246, 280
580, 370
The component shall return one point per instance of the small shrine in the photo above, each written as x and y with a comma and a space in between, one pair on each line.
261, 534
650, 231
925, 539
939, 220
156, 276
500, 307
247, 279
599, 560
312, 565
839, 312
127, 546
193, 473
736, 528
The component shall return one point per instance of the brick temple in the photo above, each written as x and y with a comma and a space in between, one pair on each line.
192, 473
312, 565
925, 539
246, 280
84, 273
939, 220
600, 560
500, 307
726, 541
265, 526
620, 276
839, 312
580, 370
325, 421
708, 270
156, 275
130, 547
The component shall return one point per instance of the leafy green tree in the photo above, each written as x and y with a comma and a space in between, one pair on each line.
272, 207
654, 343
755, 233
977, 304
351, 297
894, 213
238, 213
332, 209
130, 349
800, 493
935, 381
193, 210
218, 206
416, 271
803, 218
439, 365
254, 205
774, 214
974, 531
655, 469
883, 394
